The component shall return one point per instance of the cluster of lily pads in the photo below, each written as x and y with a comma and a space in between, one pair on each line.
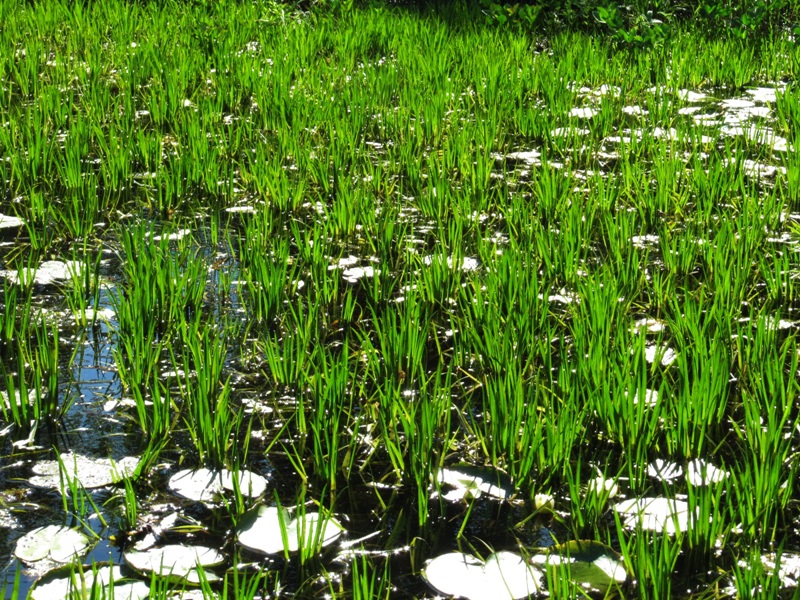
269, 530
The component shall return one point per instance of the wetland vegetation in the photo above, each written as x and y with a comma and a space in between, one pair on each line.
386, 301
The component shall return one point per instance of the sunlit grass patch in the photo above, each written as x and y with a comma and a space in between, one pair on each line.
352, 255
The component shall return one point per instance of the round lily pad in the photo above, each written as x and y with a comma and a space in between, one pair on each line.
700, 472
63, 582
47, 273
503, 576
655, 514
204, 485
10, 222
262, 529
176, 561
56, 543
90, 472
468, 482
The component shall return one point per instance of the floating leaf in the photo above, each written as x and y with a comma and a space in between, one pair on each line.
90, 472
204, 485
9, 222
664, 470
785, 566
262, 529
655, 514
583, 113
47, 273
56, 543
63, 582
591, 565
504, 575
469, 481
700, 472
176, 561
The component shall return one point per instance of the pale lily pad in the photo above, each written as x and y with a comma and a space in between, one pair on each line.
176, 561
664, 470
470, 482
648, 399
177, 235
204, 485
583, 113
504, 575
591, 565
90, 472
353, 274
54, 543
262, 529
468, 263
787, 570
655, 514
529, 157
30, 397
47, 273
9, 222
665, 355
63, 582
700, 472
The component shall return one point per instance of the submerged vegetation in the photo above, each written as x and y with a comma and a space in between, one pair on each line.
352, 303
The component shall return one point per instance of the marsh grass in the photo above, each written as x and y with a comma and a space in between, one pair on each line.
77, 501
411, 242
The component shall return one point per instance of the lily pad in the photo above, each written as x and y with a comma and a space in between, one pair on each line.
262, 529
470, 482
90, 472
47, 273
30, 397
55, 543
591, 565
663, 354
9, 222
176, 561
504, 575
664, 470
204, 485
655, 514
700, 472
62, 582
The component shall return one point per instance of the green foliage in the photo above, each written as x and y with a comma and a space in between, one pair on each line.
646, 22
364, 245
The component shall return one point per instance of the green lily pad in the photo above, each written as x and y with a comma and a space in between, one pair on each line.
470, 482
63, 582
55, 543
176, 561
262, 529
503, 576
591, 565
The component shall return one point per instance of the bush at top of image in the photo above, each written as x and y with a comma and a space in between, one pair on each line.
632, 22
